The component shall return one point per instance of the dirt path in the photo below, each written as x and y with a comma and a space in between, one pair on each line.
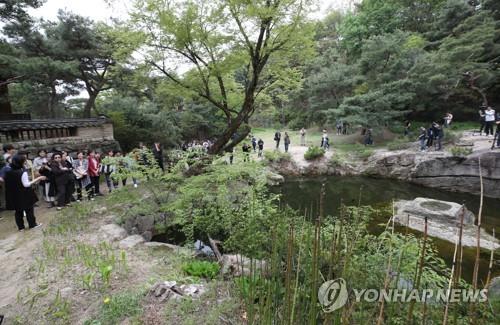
17, 252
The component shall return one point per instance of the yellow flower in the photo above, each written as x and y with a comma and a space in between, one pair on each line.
107, 300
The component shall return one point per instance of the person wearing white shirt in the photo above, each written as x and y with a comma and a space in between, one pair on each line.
489, 118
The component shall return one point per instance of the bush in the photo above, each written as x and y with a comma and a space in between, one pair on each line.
460, 151
202, 269
313, 153
276, 156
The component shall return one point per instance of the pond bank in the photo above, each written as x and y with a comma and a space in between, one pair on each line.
437, 169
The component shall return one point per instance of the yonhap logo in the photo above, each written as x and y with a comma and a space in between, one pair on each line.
333, 295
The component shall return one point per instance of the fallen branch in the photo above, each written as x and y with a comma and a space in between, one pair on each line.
213, 244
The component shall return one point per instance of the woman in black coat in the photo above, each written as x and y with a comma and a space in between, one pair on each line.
20, 195
63, 176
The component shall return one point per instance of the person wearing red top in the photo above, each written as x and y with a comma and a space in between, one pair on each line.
93, 173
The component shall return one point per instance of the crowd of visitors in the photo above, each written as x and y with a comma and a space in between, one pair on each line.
60, 178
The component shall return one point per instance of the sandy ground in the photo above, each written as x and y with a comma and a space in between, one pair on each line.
17, 252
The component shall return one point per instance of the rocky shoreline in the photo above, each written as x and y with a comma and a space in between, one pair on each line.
432, 169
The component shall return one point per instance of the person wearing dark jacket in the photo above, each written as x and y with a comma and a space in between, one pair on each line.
430, 136
260, 143
20, 195
63, 177
277, 138
158, 154
439, 135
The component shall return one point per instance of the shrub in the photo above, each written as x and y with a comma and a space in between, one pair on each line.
313, 153
202, 269
460, 151
275, 156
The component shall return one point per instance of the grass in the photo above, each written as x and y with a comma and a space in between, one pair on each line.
201, 269
118, 307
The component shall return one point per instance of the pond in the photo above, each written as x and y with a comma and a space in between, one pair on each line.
303, 193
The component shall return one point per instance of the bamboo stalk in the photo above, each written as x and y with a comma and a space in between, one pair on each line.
458, 275
478, 238
445, 319
419, 272
315, 258
388, 272
490, 266
288, 278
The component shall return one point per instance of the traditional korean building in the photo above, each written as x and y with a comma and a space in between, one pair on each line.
70, 134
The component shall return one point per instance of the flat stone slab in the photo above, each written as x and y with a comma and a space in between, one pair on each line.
113, 232
436, 210
131, 241
443, 221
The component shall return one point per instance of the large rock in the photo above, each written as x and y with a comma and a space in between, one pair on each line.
239, 265
113, 232
443, 221
274, 179
131, 241
461, 174
435, 210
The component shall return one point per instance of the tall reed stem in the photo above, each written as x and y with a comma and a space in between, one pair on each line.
410, 319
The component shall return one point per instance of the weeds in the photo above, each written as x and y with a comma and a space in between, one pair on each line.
117, 308
202, 269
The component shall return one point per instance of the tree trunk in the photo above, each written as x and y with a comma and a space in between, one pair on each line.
52, 101
5, 107
87, 110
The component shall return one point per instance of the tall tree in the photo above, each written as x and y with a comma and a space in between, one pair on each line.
217, 39
100, 50
11, 12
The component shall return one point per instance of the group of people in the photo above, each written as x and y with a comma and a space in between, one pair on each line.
488, 117
195, 145
432, 136
56, 176
286, 140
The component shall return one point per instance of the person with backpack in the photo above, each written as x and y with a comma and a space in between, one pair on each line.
277, 138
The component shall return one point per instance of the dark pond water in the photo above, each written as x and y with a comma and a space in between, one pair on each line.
303, 193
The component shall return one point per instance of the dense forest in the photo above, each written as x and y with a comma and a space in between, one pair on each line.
198, 70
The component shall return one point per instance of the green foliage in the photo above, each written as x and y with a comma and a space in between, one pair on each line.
276, 156
202, 269
460, 151
314, 153
120, 306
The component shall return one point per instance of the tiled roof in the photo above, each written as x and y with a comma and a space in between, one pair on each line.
51, 124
